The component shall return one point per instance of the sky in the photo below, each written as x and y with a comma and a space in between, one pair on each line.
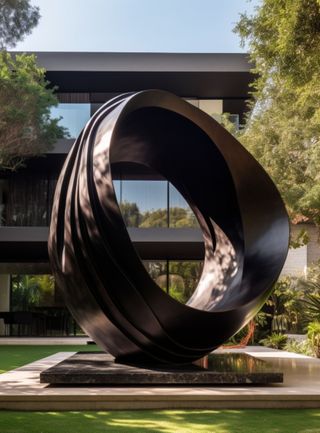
137, 26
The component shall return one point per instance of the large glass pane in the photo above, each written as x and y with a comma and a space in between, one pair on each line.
37, 307
73, 117
27, 200
117, 189
144, 203
158, 272
183, 279
4, 186
32, 291
234, 118
180, 214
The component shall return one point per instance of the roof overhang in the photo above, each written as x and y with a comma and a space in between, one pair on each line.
201, 75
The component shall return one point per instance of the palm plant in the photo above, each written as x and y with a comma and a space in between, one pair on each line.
275, 341
287, 308
314, 337
311, 301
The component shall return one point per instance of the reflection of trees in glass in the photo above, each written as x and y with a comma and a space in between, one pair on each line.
178, 217
182, 217
131, 214
154, 218
29, 291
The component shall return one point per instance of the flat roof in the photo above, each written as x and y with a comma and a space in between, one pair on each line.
143, 62
198, 75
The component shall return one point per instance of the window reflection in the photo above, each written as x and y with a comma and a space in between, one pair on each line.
37, 308
73, 117
117, 189
3, 201
144, 203
180, 214
153, 203
27, 200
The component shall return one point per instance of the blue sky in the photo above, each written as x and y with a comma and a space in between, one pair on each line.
137, 25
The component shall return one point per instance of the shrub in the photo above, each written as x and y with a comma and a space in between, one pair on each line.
314, 337
275, 341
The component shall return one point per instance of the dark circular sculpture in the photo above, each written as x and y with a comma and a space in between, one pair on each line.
242, 217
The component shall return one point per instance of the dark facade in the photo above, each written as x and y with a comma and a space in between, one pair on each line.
161, 225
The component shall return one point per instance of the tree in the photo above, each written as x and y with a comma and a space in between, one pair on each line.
26, 128
130, 213
17, 19
283, 126
178, 217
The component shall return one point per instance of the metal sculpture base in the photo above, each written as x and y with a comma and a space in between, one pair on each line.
99, 368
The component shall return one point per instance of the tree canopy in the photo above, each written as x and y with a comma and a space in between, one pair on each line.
26, 128
17, 19
178, 216
283, 126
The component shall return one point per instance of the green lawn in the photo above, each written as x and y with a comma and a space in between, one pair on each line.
166, 421
16, 356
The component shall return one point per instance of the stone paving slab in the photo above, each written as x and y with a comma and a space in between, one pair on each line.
21, 389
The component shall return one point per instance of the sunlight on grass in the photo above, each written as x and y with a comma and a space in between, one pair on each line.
167, 421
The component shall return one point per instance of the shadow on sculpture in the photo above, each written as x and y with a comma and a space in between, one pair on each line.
242, 217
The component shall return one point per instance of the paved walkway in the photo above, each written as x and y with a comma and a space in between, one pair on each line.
21, 389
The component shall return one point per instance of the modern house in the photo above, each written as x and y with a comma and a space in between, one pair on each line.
161, 225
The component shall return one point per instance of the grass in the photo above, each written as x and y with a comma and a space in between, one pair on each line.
153, 421
165, 421
15, 356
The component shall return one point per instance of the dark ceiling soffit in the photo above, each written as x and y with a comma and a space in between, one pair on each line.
34, 252
21, 244
187, 84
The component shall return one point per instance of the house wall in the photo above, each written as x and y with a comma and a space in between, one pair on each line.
299, 259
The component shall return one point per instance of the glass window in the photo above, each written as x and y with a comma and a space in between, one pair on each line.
158, 272
32, 291
73, 117
178, 278
28, 200
117, 189
183, 279
3, 201
37, 307
180, 214
234, 118
144, 203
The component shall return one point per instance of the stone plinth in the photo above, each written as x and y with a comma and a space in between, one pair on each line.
99, 368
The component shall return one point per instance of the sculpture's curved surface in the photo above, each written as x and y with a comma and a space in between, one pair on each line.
241, 214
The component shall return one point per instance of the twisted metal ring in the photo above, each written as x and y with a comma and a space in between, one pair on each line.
242, 217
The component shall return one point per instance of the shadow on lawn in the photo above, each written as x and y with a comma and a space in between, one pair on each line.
169, 421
